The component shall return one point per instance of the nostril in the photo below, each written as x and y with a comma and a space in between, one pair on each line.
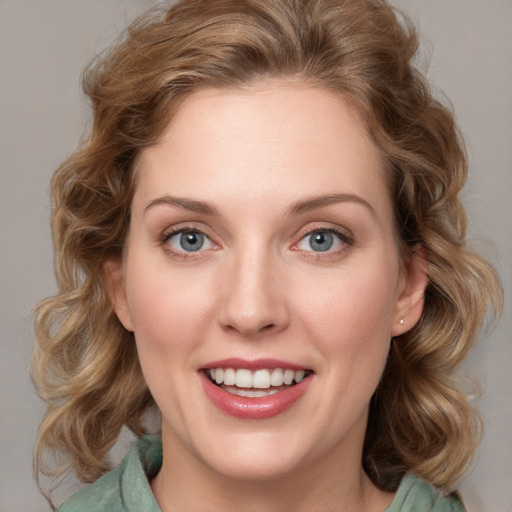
254, 331
268, 327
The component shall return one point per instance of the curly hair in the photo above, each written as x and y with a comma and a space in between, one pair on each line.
85, 364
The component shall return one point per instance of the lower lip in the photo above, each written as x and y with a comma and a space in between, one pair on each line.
254, 408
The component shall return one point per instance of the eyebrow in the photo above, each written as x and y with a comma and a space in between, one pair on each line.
185, 204
300, 207
317, 202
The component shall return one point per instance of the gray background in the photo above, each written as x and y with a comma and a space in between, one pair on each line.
43, 48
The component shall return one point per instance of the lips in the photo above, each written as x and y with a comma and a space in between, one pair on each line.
254, 390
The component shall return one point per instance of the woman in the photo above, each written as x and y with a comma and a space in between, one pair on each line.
262, 237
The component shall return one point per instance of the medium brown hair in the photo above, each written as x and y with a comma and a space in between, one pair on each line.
85, 363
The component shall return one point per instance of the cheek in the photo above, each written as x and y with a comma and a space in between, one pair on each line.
355, 316
166, 308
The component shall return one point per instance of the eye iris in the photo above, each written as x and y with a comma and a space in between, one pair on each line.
321, 241
191, 241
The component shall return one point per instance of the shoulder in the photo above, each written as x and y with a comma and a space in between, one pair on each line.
126, 488
102, 495
416, 494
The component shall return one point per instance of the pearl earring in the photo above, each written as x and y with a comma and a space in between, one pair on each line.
401, 321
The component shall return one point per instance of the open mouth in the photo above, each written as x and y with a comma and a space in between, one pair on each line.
257, 383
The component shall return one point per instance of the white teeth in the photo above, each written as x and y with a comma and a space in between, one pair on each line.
277, 378
229, 377
250, 392
243, 379
288, 377
260, 379
299, 375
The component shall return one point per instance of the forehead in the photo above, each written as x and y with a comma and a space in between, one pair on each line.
295, 139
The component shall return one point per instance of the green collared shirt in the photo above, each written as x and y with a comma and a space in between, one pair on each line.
126, 488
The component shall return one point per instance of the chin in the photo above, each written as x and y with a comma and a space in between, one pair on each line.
255, 468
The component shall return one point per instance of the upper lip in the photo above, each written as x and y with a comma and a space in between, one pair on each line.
255, 364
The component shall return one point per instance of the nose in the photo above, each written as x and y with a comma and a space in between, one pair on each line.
254, 299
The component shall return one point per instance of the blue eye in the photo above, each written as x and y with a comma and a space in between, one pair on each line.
188, 241
323, 240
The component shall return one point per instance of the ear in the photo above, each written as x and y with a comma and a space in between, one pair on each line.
409, 305
115, 278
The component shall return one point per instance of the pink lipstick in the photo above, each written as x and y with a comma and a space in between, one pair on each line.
254, 389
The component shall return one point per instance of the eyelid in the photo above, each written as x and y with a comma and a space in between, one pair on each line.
323, 226
180, 227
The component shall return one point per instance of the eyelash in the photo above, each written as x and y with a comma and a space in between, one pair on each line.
342, 236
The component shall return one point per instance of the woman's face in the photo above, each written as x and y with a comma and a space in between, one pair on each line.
261, 249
